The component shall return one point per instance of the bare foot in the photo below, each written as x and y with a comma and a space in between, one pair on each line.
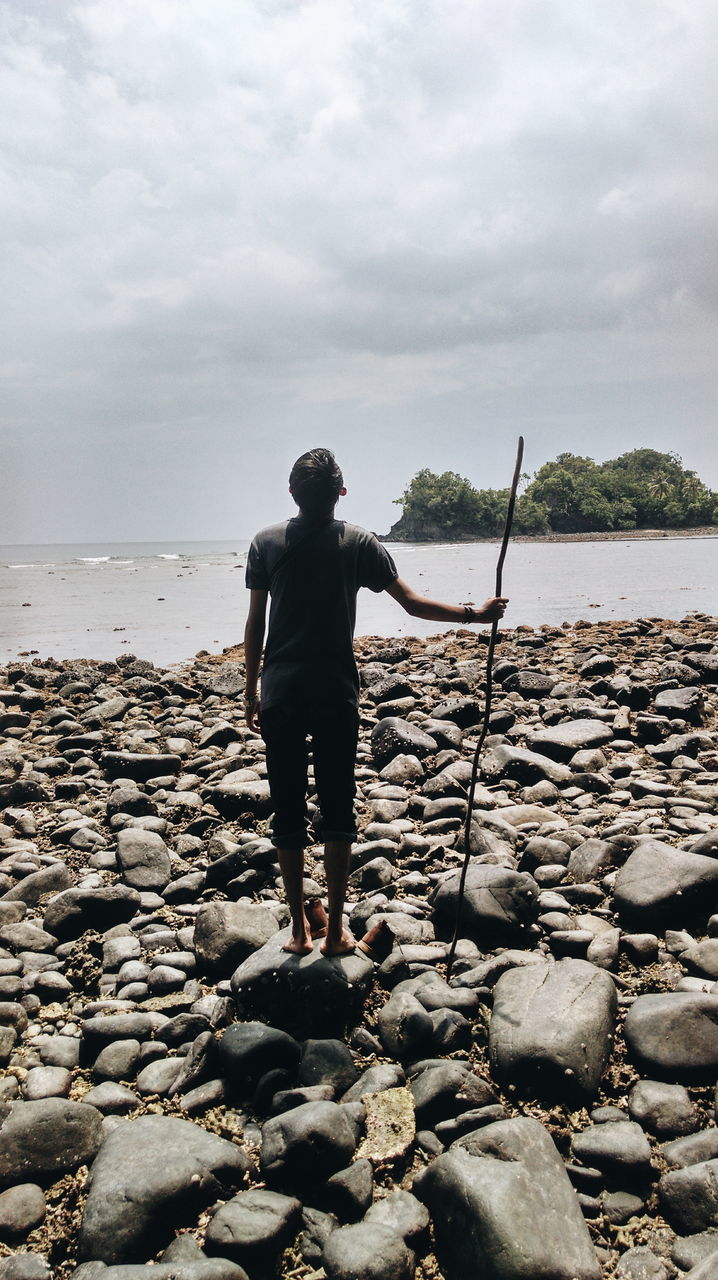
317, 921
299, 944
342, 946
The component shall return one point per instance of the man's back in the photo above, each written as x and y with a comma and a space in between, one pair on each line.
313, 570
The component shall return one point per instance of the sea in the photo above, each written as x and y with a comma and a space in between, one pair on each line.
167, 601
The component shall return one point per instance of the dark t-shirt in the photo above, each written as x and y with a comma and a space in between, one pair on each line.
309, 657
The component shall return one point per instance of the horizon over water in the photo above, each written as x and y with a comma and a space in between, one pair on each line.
166, 600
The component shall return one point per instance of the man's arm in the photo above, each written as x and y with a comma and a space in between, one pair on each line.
434, 611
253, 644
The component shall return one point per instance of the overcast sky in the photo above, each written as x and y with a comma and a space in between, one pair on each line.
405, 229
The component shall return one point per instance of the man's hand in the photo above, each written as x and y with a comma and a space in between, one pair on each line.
492, 610
251, 711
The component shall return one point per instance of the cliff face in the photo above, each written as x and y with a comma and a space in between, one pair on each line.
407, 530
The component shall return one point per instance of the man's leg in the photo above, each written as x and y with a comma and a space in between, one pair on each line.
336, 865
291, 865
334, 743
287, 760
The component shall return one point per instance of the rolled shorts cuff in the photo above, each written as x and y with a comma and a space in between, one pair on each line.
348, 836
294, 840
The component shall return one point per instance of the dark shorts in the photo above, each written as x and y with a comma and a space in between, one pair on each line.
333, 732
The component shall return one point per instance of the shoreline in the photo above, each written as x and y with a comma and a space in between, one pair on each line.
613, 535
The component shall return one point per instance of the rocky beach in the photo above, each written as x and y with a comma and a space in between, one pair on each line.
182, 1100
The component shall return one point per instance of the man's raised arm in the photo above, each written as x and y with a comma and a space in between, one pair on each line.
434, 611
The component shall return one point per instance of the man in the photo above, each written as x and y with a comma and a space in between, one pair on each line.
312, 568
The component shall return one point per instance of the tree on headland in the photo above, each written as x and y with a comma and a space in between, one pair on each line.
639, 490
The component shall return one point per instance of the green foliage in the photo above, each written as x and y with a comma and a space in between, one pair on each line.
572, 494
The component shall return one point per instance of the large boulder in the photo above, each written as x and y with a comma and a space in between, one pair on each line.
70, 913
393, 736
523, 766
552, 1026
308, 1143
241, 791
503, 1208
151, 1176
312, 995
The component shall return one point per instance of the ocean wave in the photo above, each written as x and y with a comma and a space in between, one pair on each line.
32, 565
93, 559
167, 557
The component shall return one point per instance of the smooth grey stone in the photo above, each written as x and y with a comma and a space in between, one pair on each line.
348, 1193
663, 1109
384, 1075
248, 1050
308, 1143
523, 766
129, 799
112, 1099
401, 1211
199, 1269
659, 885
641, 1263
51, 879
21, 1208
367, 1251
158, 1077
591, 859
26, 936
693, 1149
405, 1027
392, 736
689, 1251
237, 794
675, 1035
445, 1089
253, 1228
152, 1175
71, 913
702, 958
139, 766
104, 1028
706, 1270
41, 1140
327, 1062
497, 901
226, 933
680, 704
317, 1227
689, 1197
553, 1025
117, 1061
617, 1147
562, 741
143, 859
24, 1266
499, 1200
46, 1082
59, 1050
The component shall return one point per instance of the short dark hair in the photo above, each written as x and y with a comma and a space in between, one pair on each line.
316, 481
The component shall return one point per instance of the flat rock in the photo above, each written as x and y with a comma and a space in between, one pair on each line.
139, 765
562, 741
390, 1126
71, 913
367, 1251
553, 1025
393, 736
523, 766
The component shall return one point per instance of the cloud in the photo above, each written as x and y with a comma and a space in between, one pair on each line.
273, 211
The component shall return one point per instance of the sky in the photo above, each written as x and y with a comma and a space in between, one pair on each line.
406, 230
